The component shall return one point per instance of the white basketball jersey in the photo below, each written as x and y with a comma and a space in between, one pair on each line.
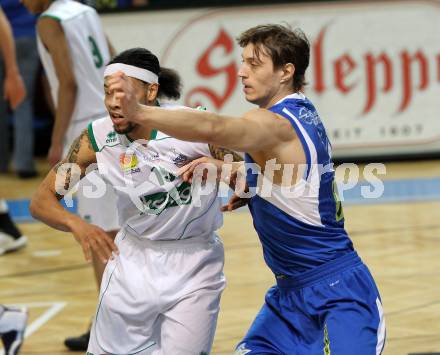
153, 201
89, 55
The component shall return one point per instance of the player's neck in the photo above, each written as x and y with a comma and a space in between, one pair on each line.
275, 98
140, 132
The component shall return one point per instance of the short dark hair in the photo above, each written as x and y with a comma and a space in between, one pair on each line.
283, 45
170, 83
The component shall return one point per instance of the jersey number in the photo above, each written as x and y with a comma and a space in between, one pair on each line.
97, 57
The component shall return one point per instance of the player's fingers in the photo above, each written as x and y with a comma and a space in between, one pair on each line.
86, 250
116, 77
100, 249
110, 243
242, 202
106, 251
231, 201
192, 171
186, 172
224, 208
105, 244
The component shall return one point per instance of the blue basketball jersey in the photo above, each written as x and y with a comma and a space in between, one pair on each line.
305, 229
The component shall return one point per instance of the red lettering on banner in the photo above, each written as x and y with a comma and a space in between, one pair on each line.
205, 69
407, 82
343, 67
319, 62
370, 72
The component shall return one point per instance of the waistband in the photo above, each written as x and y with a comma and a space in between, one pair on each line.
200, 240
318, 273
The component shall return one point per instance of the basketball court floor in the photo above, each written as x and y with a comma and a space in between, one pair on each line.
398, 236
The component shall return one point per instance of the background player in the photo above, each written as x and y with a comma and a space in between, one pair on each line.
161, 294
325, 298
74, 51
14, 92
12, 321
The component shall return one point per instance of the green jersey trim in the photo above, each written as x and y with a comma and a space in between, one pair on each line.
153, 136
51, 16
92, 137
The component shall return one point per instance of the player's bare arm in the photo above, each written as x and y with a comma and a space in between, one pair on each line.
59, 181
53, 38
14, 90
258, 130
111, 48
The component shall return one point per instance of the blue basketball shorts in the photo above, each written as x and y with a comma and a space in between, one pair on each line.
334, 308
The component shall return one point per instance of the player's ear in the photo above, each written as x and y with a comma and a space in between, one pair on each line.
288, 71
152, 92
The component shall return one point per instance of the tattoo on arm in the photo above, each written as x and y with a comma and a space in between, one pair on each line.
72, 158
219, 153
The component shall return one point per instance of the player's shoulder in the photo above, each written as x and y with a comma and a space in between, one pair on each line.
101, 133
274, 123
62, 10
263, 116
292, 105
103, 122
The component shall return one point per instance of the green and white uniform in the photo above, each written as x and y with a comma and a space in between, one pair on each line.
161, 294
89, 55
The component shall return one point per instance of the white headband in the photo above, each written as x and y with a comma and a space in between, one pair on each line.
132, 71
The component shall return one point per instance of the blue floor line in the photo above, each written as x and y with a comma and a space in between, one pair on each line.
395, 191
19, 209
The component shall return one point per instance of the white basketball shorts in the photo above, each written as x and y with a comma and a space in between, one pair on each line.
159, 297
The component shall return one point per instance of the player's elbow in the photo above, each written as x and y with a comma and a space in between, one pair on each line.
69, 86
38, 203
35, 206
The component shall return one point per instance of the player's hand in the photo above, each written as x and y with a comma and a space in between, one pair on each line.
199, 167
93, 238
235, 202
14, 89
55, 154
125, 93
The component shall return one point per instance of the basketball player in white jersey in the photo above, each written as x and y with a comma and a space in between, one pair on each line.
161, 293
74, 51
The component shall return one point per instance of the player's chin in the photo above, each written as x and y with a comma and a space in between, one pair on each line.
124, 128
251, 98
120, 127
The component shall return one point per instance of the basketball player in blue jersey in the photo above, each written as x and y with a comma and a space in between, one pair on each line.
325, 300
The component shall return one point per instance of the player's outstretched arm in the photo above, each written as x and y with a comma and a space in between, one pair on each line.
59, 181
258, 130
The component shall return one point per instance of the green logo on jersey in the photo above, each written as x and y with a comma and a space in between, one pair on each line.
160, 201
111, 137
